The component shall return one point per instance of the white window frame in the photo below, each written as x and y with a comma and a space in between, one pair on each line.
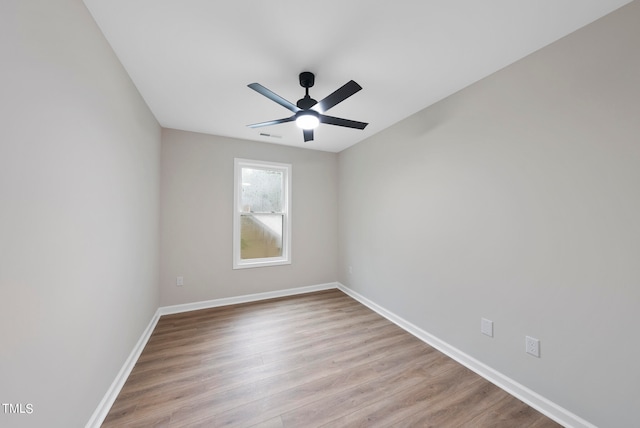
238, 262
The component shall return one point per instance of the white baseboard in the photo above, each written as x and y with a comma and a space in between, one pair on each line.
112, 393
175, 309
103, 408
533, 399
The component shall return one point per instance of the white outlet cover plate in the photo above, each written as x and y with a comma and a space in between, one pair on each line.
532, 346
486, 327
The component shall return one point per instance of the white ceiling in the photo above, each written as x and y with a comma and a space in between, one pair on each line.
192, 59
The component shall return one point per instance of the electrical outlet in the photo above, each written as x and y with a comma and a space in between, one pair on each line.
350, 270
532, 346
486, 327
180, 281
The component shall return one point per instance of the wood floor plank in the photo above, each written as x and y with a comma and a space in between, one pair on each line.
401, 373
318, 359
290, 386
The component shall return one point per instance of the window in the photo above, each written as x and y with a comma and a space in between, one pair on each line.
262, 214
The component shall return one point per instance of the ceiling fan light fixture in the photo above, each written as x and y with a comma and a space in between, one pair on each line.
309, 113
307, 119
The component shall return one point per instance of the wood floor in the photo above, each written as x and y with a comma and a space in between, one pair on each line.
313, 360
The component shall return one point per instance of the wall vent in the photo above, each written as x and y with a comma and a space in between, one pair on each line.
270, 135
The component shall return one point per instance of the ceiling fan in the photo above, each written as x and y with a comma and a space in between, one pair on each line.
308, 113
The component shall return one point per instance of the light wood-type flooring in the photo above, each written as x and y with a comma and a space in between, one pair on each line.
313, 360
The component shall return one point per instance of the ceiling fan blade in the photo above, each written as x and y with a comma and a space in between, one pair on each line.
308, 135
273, 122
338, 96
274, 97
342, 122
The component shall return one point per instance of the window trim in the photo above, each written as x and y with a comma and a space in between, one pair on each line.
285, 259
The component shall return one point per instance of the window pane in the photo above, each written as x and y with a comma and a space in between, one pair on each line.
261, 190
260, 236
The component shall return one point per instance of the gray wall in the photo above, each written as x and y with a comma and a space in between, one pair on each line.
79, 218
516, 199
197, 218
